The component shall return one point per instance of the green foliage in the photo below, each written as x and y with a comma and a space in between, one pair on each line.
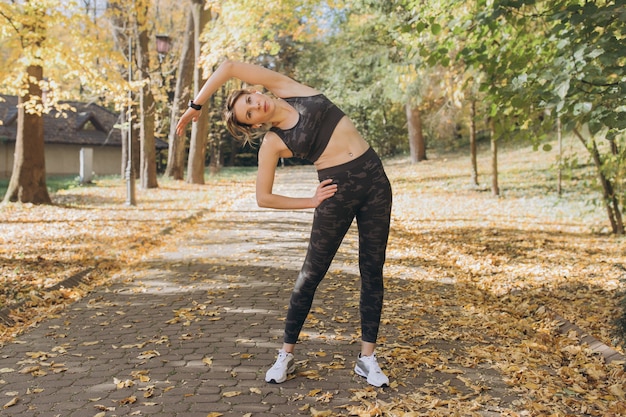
549, 58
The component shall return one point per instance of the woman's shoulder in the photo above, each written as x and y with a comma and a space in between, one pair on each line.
273, 144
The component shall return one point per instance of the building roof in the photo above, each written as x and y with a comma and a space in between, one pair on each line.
89, 125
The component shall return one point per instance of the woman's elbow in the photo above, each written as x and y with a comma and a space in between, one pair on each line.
262, 201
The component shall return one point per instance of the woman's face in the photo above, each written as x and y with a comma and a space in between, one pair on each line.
253, 109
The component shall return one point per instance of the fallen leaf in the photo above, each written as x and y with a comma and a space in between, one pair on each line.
128, 400
11, 403
325, 413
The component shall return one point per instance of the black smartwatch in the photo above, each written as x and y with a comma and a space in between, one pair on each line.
194, 105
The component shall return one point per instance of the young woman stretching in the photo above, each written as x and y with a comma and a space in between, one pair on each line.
301, 122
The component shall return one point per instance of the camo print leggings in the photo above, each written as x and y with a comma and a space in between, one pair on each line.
363, 192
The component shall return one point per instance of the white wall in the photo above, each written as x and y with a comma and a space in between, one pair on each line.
65, 159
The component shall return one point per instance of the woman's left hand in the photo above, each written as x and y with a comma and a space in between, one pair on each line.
188, 116
325, 190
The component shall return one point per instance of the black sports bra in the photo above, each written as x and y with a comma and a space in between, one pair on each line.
317, 122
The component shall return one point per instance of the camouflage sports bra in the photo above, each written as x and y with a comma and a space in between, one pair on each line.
317, 122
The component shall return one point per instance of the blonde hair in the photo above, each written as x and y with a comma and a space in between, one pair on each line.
243, 132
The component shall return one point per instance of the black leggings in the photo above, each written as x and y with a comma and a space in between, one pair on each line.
363, 192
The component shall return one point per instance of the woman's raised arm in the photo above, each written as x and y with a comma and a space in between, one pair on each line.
278, 84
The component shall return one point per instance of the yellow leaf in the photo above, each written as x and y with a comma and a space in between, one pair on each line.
325, 413
148, 354
531, 386
128, 400
11, 403
29, 369
310, 374
231, 394
214, 415
617, 390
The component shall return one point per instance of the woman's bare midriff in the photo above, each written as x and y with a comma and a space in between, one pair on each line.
345, 144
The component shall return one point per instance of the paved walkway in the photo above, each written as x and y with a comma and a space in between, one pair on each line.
192, 333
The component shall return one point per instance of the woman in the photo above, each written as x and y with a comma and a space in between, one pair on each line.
304, 123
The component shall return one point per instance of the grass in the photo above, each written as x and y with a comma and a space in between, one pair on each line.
57, 183
53, 182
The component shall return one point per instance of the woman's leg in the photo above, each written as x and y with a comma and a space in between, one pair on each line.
330, 224
373, 220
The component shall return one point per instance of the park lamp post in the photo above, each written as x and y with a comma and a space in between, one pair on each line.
130, 172
163, 46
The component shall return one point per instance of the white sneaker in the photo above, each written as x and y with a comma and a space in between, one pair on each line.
367, 367
283, 366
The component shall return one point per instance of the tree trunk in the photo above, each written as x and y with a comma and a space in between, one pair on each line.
199, 130
123, 120
472, 132
495, 189
197, 149
28, 179
559, 138
610, 200
417, 145
176, 153
147, 171
215, 144
121, 22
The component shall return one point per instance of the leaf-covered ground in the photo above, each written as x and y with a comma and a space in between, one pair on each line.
497, 267
92, 227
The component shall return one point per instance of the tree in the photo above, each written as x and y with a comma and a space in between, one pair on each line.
43, 35
146, 98
182, 94
199, 130
548, 60
28, 179
238, 31
397, 52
